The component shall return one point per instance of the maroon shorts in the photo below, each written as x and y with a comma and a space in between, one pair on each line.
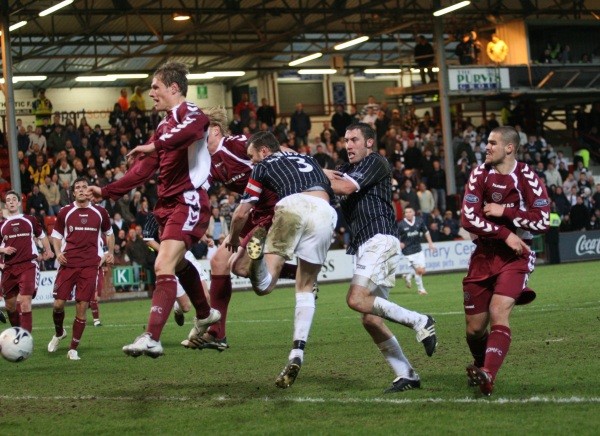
184, 218
82, 279
494, 269
22, 278
252, 224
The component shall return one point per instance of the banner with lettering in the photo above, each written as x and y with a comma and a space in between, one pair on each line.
577, 246
478, 79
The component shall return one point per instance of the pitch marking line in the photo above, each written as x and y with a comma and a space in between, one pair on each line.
223, 399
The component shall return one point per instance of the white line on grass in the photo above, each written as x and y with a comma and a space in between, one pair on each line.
224, 399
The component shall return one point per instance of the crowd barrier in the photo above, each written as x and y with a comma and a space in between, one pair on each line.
448, 256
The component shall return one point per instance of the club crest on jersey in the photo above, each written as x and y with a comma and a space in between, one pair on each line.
466, 296
471, 198
541, 202
16, 229
496, 196
83, 220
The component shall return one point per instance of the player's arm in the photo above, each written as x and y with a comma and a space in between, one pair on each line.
341, 183
192, 128
56, 239
109, 256
238, 221
47, 253
536, 216
142, 170
473, 218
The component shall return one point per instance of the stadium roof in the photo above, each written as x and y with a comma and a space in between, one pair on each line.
100, 37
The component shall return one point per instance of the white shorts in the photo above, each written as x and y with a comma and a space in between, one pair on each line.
302, 225
203, 276
416, 260
377, 260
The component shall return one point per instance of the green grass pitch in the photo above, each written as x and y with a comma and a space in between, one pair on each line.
548, 385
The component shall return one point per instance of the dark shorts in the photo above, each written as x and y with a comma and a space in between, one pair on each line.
494, 269
84, 280
184, 218
23, 279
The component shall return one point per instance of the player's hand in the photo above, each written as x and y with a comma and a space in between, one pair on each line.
146, 149
94, 193
61, 258
9, 250
49, 254
333, 174
517, 244
493, 209
402, 245
109, 258
432, 248
230, 245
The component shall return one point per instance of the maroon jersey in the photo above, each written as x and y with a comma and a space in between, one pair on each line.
19, 231
180, 141
230, 165
523, 195
141, 170
80, 229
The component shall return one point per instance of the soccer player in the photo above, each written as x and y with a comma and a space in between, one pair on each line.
412, 228
231, 166
77, 241
21, 273
182, 301
504, 203
179, 149
366, 186
303, 224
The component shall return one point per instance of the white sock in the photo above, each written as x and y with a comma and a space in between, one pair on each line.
392, 352
177, 308
305, 310
259, 275
409, 277
419, 282
392, 312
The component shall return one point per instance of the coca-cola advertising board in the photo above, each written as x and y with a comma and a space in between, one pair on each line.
577, 246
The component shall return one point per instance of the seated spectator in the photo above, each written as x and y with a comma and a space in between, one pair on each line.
434, 231
552, 176
451, 222
446, 234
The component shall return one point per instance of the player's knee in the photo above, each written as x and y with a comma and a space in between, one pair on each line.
420, 271
372, 322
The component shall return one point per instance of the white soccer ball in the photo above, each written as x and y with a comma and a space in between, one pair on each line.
16, 344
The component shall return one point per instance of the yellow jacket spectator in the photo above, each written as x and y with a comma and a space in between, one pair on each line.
39, 170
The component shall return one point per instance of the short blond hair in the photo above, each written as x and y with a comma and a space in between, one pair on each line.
218, 117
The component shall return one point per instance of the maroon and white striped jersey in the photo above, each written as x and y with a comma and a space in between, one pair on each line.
523, 195
19, 231
80, 229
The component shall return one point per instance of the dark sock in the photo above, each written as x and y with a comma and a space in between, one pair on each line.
78, 328
220, 295
162, 303
59, 318
191, 283
26, 321
497, 348
477, 347
95, 309
13, 318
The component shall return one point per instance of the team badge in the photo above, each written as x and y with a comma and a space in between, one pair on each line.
83, 220
16, 229
466, 296
496, 196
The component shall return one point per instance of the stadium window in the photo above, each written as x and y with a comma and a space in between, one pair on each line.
364, 88
310, 94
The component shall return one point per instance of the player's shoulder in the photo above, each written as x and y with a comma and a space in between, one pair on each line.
235, 141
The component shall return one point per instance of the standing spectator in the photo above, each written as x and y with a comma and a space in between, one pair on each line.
244, 108
552, 176
579, 215
409, 196
23, 140
217, 226
138, 99
424, 58
300, 124
266, 114
20, 273
468, 49
138, 252
426, 202
123, 102
340, 120
41, 108
37, 201
372, 104
77, 243
365, 186
50, 190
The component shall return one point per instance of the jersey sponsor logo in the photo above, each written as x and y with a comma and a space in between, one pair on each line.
498, 186
541, 202
496, 196
471, 198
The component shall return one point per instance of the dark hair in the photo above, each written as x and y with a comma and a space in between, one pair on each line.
77, 180
264, 139
173, 72
15, 193
366, 130
509, 135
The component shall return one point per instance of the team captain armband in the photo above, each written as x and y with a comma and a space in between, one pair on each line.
253, 190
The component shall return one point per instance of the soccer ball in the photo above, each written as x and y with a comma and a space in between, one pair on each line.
16, 344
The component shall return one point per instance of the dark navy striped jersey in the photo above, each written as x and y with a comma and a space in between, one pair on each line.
368, 211
151, 228
411, 235
286, 173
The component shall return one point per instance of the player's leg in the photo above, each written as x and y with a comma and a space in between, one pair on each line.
419, 272
94, 301
66, 279
406, 377
303, 317
29, 279
79, 322
375, 265
220, 288
85, 290
25, 318
10, 303
11, 288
